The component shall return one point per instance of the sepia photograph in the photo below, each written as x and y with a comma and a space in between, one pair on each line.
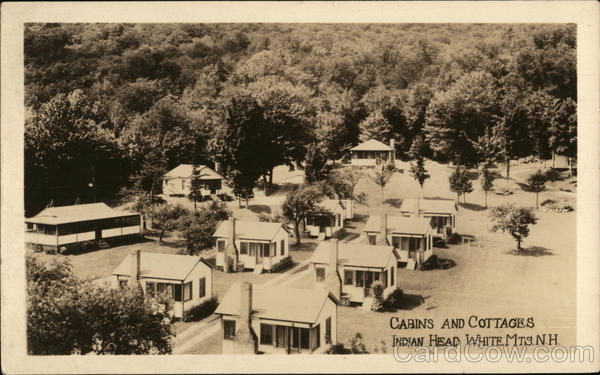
317, 188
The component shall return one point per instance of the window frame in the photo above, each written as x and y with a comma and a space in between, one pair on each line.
202, 287
229, 329
264, 328
187, 294
346, 279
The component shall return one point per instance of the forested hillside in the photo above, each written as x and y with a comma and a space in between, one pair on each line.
116, 105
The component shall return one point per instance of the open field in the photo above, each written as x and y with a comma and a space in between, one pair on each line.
489, 280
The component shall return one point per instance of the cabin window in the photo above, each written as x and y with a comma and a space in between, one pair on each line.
348, 277
360, 278
384, 278
266, 334
282, 247
413, 244
187, 291
281, 336
375, 276
265, 250
397, 242
220, 246
252, 246
243, 247
391, 276
66, 229
304, 337
131, 220
177, 292
228, 329
202, 286
320, 274
372, 239
122, 283
328, 331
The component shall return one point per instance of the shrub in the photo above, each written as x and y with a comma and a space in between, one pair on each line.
202, 310
503, 191
454, 238
393, 300
552, 175
338, 348
378, 297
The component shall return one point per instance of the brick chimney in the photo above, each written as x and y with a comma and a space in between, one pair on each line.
382, 238
333, 281
135, 265
245, 338
231, 258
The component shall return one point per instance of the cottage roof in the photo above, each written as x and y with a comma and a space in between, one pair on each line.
358, 255
400, 224
255, 230
162, 266
371, 145
429, 206
77, 213
185, 171
279, 303
332, 205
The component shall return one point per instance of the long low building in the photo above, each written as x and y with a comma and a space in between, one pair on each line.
55, 227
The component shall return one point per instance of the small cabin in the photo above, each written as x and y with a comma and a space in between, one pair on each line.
250, 245
357, 267
372, 152
178, 181
441, 212
186, 279
411, 237
61, 227
327, 221
277, 320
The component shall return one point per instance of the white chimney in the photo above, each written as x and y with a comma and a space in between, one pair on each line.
245, 338
333, 281
382, 238
230, 251
135, 265
217, 167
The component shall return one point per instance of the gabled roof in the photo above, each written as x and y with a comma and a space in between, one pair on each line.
77, 213
162, 266
371, 145
255, 230
358, 255
279, 303
332, 205
400, 224
429, 206
185, 171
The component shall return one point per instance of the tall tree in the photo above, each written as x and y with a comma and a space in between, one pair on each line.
381, 177
514, 220
299, 203
417, 164
536, 183
487, 181
460, 183
316, 165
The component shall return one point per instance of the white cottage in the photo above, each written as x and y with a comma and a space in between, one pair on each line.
411, 237
357, 266
277, 320
178, 181
187, 280
372, 152
328, 222
441, 212
254, 245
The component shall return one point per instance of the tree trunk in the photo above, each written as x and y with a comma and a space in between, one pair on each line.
297, 230
518, 244
553, 159
570, 167
271, 178
162, 233
507, 170
465, 198
240, 201
266, 184
536, 200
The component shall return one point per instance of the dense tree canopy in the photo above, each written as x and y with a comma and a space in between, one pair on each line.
138, 99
